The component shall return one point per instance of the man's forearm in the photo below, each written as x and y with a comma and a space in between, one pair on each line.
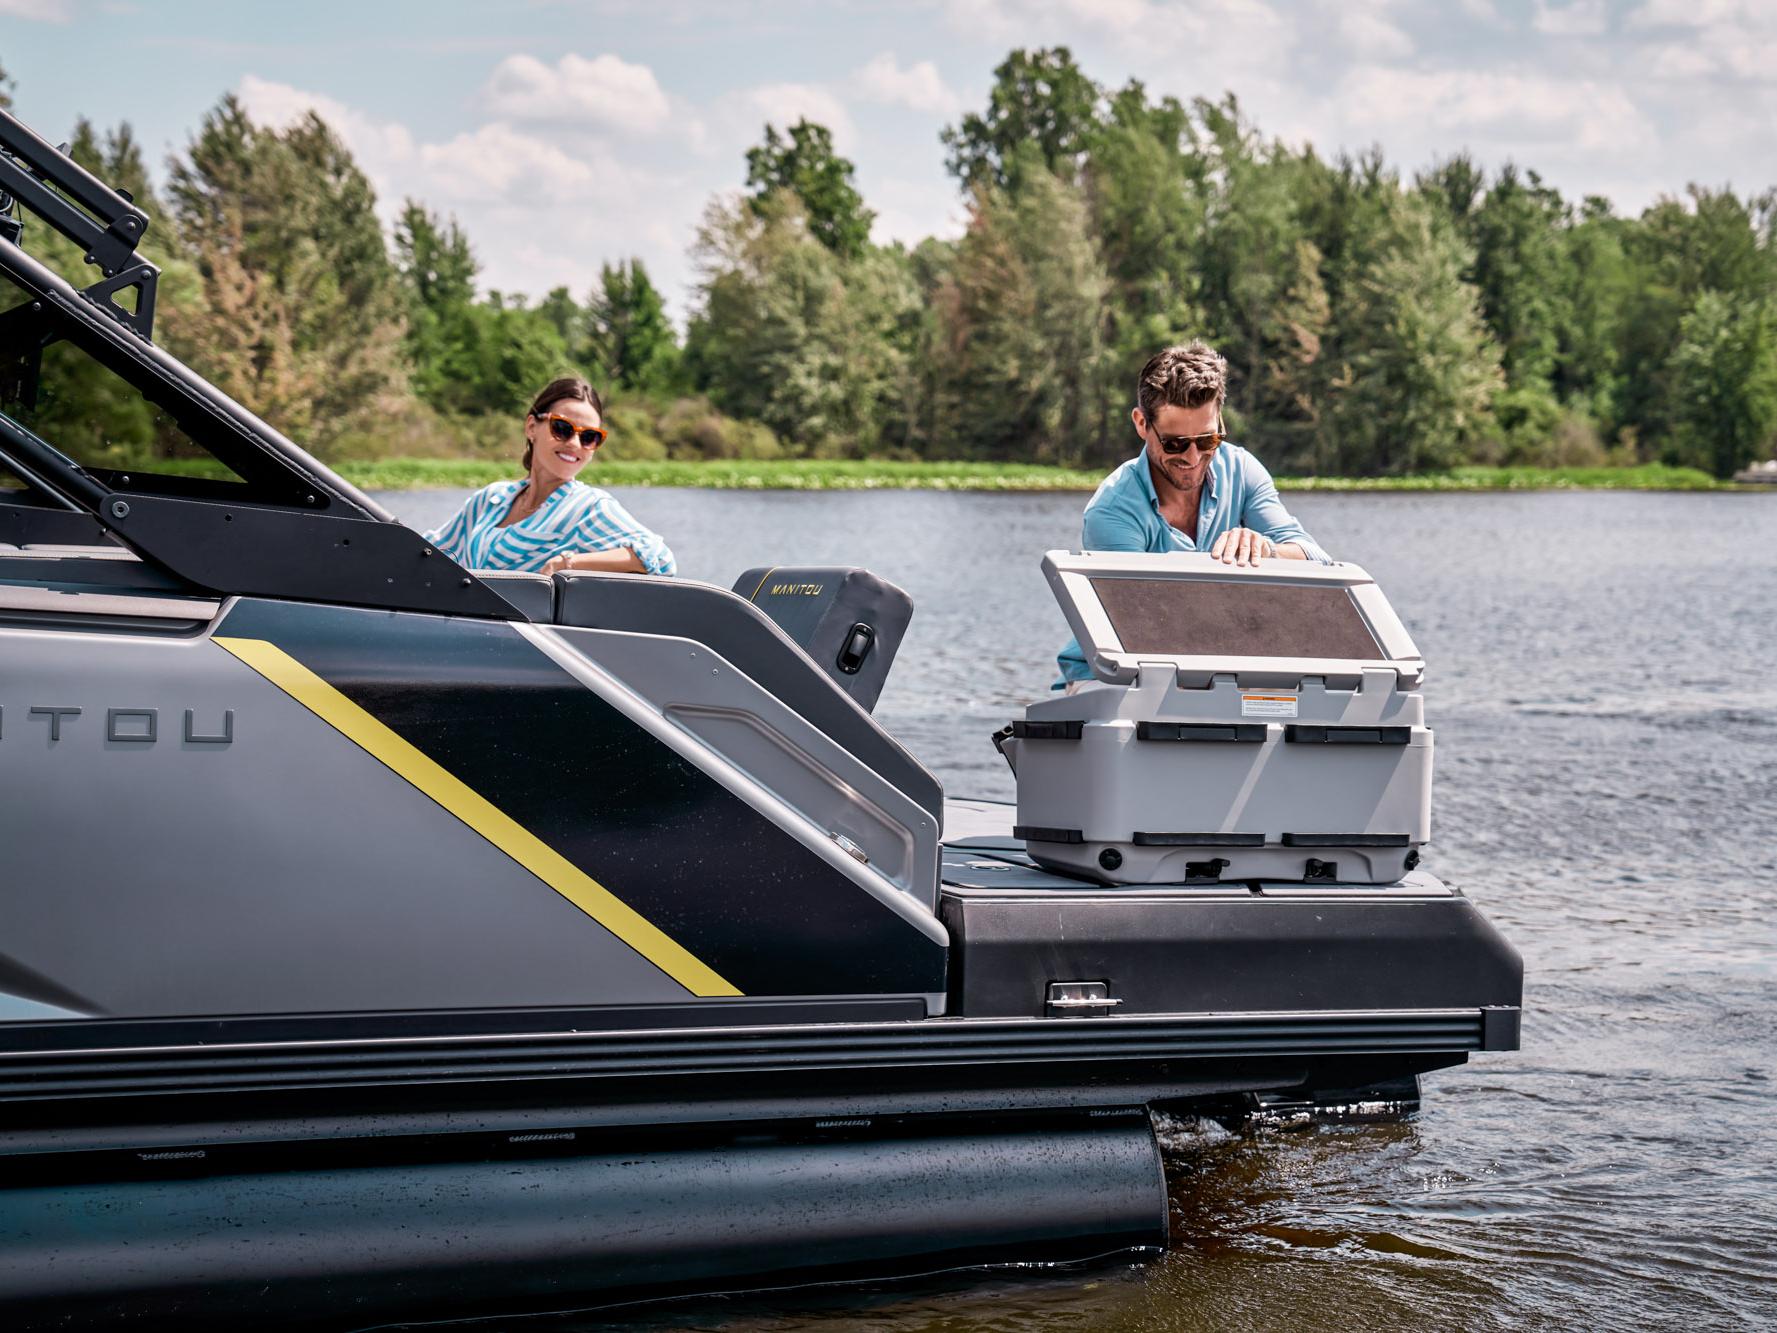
1289, 551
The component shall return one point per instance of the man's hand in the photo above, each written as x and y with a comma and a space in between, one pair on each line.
1242, 546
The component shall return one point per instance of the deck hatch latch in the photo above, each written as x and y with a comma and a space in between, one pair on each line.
850, 848
1080, 999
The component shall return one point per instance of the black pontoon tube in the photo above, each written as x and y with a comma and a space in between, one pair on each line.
357, 1245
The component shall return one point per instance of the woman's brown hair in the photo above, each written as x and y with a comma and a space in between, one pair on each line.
568, 386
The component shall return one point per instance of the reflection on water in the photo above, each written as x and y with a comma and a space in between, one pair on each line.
1603, 684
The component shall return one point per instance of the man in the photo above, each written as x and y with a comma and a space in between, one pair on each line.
1189, 489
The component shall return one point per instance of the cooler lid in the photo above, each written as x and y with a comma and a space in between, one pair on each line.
1284, 618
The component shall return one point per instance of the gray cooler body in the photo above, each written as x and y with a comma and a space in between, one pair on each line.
1242, 724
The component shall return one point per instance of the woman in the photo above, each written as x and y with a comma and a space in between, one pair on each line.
551, 520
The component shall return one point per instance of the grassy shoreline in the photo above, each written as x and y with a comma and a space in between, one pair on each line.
399, 474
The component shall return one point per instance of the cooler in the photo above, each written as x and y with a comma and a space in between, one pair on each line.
1242, 724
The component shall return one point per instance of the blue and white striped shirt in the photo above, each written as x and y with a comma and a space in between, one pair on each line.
576, 517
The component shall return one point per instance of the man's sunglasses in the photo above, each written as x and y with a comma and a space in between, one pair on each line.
1178, 444
564, 430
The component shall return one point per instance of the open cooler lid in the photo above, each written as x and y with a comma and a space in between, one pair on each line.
1283, 620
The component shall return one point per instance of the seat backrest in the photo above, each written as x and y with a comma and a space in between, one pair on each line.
746, 637
847, 619
532, 594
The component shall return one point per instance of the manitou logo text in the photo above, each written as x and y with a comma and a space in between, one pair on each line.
138, 726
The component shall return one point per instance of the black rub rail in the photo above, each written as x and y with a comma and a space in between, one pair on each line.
49, 1075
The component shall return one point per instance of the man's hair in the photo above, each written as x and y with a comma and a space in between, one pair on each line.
1187, 376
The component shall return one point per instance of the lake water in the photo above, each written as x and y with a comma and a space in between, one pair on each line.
1603, 685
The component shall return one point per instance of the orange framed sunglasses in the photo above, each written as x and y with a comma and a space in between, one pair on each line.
591, 437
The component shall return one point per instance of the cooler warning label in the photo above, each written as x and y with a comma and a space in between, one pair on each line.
1267, 705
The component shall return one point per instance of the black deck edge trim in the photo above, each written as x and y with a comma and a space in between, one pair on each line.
1347, 840
1198, 839
752, 1052
1040, 833
1301, 733
1245, 733
1501, 1027
422, 1024
1026, 730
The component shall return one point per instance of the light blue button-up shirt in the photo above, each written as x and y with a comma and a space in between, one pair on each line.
1124, 515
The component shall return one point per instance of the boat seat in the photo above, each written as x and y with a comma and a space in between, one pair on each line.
532, 594
753, 643
847, 619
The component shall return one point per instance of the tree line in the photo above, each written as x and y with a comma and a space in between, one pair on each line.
1374, 323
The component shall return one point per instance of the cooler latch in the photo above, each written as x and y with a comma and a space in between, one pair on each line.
1080, 999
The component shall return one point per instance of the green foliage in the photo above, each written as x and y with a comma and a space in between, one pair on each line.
1596, 284
805, 165
630, 339
796, 337
299, 314
1516, 233
469, 356
1021, 311
1418, 371
83, 408
1041, 114
1259, 274
634, 433
1724, 375
1370, 329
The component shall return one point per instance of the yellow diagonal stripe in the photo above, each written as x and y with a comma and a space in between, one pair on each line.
480, 814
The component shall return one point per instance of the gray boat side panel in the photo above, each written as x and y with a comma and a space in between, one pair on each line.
689, 687
286, 870
752, 908
746, 636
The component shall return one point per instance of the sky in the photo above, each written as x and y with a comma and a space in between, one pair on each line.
564, 134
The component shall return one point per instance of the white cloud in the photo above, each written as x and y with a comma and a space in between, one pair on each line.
1695, 13
911, 210
1232, 31
1680, 63
539, 215
383, 149
1508, 110
37, 11
1735, 37
605, 90
919, 87
1483, 11
1577, 18
1369, 31
499, 160
783, 104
